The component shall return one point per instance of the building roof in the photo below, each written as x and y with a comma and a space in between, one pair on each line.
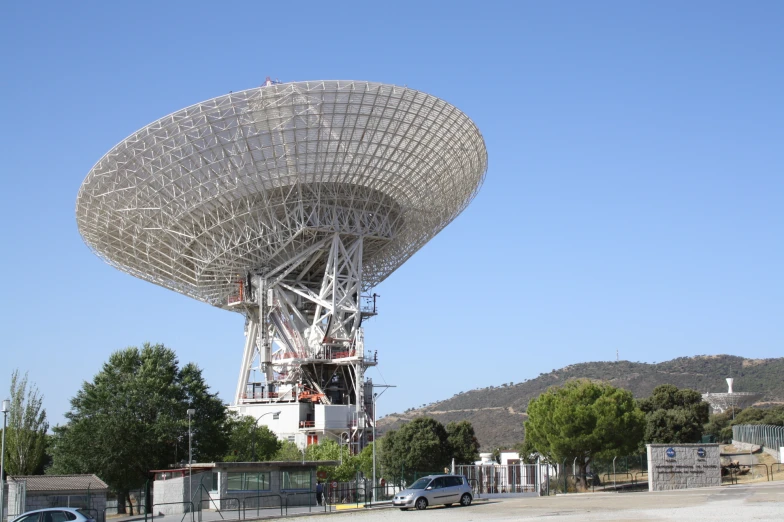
253, 466
60, 482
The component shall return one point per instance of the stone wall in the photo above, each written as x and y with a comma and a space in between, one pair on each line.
682, 466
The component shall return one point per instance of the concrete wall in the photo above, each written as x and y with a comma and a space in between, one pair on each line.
682, 466
170, 496
332, 417
746, 446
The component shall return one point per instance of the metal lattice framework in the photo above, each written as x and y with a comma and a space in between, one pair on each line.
286, 203
256, 178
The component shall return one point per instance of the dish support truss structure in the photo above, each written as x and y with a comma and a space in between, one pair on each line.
288, 203
305, 349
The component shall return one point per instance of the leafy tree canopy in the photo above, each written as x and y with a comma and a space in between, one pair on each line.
674, 415
719, 425
773, 416
288, 452
25, 440
586, 420
422, 445
349, 465
249, 442
463, 442
132, 419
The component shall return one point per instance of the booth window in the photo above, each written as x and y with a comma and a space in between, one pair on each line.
248, 481
296, 479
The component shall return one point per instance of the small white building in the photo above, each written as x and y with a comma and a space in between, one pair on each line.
30, 492
229, 485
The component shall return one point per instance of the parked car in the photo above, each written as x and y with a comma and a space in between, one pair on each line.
58, 514
435, 490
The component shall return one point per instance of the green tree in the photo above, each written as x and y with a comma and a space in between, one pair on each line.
365, 462
674, 415
349, 465
391, 456
25, 441
422, 445
719, 425
463, 442
249, 442
773, 416
288, 452
584, 420
132, 418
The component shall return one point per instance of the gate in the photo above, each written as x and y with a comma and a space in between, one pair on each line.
20, 500
497, 479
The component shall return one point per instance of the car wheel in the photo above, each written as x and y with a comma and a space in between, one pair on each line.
421, 503
465, 500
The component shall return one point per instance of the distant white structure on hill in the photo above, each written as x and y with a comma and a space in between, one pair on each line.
721, 402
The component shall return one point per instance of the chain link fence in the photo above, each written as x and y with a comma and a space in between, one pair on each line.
770, 437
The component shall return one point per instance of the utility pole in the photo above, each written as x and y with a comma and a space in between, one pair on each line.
375, 396
191, 412
6, 407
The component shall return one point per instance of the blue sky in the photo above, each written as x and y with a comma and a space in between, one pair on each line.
634, 199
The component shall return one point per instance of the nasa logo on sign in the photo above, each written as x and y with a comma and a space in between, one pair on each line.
701, 453
671, 453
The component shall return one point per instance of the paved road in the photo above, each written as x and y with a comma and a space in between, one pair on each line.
727, 503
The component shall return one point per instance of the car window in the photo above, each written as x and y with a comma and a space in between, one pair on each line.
32, 517
69, 515
455, 481
60, 516
54, 516
420, 484
439, 482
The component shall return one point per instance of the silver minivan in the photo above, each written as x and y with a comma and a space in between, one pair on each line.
435, 490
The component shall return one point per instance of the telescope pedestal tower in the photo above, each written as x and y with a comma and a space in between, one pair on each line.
304, 352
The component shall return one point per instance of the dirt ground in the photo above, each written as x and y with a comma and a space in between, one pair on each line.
756, 473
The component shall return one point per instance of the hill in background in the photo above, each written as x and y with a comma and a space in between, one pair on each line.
497, 413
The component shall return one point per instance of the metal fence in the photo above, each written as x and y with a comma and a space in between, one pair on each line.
621, 473
771, 437
495, 478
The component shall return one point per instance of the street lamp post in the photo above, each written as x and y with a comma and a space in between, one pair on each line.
348, 438
6, 407
275, 416
375, 396
191, 412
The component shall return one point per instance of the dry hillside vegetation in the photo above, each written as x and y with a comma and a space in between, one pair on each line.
498, 412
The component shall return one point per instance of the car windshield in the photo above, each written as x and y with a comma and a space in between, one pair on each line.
420, 484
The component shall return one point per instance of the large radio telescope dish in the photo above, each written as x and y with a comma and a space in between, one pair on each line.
250, 181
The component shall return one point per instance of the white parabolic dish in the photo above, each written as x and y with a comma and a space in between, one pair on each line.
248, 181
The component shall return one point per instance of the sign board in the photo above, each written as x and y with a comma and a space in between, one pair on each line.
321, 474
683, 466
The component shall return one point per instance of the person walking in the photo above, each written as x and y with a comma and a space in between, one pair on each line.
319, 492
